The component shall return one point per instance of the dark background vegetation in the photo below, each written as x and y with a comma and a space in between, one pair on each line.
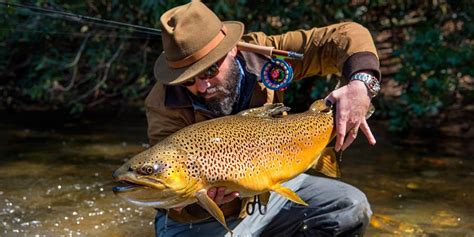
54, 64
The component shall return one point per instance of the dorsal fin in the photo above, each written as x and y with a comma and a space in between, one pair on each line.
266, 111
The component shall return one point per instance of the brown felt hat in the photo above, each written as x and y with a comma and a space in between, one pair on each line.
193, 39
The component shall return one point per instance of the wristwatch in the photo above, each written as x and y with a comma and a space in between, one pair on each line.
371, 82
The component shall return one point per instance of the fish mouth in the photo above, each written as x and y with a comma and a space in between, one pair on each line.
148, 196
126, 186
130, 182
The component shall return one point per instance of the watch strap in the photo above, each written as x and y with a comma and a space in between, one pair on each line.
371, 82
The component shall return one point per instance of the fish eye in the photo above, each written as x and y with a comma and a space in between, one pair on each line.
146, 170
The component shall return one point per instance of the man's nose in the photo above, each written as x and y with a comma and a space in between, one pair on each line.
202, 85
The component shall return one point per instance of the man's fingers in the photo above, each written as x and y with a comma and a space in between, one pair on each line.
220, 195
212, 192
350, 137
339, 139
367, 132
230, 197
341, 120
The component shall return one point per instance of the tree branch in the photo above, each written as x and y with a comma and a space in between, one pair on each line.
74, 63
104, 77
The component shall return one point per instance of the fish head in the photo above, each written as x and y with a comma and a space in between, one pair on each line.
156, 178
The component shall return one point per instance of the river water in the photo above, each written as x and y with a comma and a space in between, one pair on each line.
55, 180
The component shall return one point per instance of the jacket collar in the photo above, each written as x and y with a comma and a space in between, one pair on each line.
177, 97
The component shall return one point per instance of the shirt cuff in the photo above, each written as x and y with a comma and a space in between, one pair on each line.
363, 61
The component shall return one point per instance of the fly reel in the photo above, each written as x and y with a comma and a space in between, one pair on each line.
276, 74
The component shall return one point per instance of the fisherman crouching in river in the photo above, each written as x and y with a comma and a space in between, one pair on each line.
203, 74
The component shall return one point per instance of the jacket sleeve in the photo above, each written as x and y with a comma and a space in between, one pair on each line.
162, 122
340, 48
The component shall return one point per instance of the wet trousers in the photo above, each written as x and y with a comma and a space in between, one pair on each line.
335, 209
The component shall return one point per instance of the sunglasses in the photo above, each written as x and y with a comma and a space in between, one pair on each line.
209, 73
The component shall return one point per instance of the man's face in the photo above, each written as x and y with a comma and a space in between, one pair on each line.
219, 92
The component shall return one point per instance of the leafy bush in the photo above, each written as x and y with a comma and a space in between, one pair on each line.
50, 63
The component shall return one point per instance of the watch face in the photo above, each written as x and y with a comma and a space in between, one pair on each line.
374, 85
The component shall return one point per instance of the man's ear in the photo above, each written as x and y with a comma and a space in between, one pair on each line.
233, 51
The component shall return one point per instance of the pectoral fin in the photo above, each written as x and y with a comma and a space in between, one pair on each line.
207, 203
286, 192
327, 163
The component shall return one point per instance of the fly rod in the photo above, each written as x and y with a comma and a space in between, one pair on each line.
82, 18
269, 51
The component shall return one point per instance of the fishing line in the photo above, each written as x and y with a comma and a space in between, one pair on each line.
63, 33
85, 19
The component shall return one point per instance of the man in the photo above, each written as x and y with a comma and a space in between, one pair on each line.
202, 74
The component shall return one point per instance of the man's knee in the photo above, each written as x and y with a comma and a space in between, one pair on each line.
338, 208
356, 202
317, 191
335, 208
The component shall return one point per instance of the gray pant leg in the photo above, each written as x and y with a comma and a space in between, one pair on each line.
335, 209
250, 226
206, 228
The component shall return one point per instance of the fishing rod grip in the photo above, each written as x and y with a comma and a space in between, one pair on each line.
268, 51
288, 54
264, 50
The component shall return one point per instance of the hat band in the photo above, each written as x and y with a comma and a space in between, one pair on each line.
200, 53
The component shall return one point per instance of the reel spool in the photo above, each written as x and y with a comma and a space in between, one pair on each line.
276, 74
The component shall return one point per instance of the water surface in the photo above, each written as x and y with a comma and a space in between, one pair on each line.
55, 179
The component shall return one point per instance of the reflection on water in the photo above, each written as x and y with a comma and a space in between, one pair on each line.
55, 179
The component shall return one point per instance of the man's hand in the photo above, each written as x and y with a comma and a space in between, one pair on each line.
352, 103
219, 197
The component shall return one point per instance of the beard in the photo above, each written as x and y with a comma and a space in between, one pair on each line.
226, 94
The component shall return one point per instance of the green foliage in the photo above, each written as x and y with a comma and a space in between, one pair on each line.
434, 59
52, 63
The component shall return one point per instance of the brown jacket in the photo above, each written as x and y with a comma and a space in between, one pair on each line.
340, 48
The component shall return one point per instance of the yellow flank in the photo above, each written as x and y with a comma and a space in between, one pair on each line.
251, 153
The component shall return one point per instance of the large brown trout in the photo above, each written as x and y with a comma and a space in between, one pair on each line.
252, 153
